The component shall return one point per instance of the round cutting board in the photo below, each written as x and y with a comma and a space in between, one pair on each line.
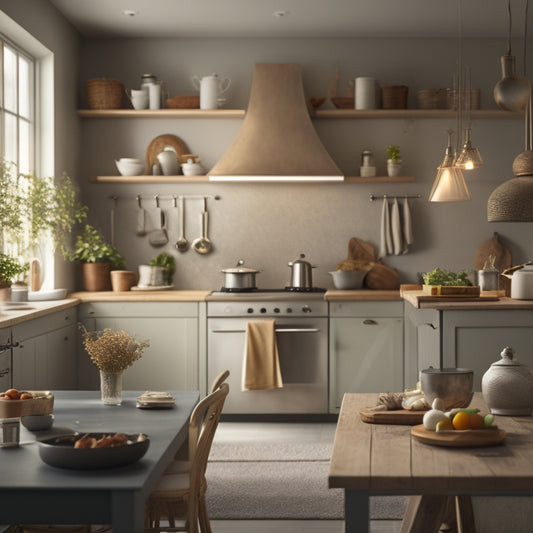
466, 438
493, 247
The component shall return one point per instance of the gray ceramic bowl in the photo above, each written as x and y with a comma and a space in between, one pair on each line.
37, 422
452, 385
348, 280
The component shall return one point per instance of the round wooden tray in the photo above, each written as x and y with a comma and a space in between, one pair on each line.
158, 144
466, 438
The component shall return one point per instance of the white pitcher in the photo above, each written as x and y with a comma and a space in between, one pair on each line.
210, 87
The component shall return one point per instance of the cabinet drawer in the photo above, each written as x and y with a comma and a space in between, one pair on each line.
364, 309
45, 324
138, 309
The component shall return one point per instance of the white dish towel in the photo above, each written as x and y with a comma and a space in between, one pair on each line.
385, 244
396, 228
408, 238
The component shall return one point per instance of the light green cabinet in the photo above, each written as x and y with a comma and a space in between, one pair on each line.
175, 359
44, 352
365, 349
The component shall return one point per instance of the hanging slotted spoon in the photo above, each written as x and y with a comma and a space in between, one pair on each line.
182, 244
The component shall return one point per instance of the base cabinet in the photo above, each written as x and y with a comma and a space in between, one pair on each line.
44, 352
171, 362
365, 349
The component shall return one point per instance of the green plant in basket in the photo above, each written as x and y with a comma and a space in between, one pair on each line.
168, 262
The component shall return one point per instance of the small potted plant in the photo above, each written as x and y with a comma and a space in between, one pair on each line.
97, 258
394, 160
168, 262
10, 268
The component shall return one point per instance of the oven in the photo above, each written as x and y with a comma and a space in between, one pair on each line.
301, 327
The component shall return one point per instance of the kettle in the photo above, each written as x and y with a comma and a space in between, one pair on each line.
301, 273
210, 87
522, 283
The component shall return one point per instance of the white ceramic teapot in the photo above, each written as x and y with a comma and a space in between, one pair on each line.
507, 386
210, 87
168, 160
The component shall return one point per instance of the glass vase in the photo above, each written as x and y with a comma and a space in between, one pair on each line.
111, 387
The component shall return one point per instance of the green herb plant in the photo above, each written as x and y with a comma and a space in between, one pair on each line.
168, 262
439, 276
90, 247
393, 153
10, 268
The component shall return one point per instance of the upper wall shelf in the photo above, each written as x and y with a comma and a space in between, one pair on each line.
324, 113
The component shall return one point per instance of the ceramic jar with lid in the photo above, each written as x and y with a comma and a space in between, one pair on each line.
507, 386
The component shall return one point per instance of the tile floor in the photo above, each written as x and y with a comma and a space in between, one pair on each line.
286, 432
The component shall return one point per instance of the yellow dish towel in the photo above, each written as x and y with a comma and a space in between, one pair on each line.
261, 370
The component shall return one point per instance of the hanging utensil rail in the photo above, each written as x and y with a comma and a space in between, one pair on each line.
378, 196
158, 197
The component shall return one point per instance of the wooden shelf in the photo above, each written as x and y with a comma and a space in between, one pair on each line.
161, 113
412, 113
205, 179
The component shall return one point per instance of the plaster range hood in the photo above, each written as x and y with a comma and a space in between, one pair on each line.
277, 140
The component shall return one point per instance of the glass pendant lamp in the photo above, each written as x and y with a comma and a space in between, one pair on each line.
469, 158
449, 185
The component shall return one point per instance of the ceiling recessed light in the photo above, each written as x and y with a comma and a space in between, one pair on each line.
129, 12
280, 13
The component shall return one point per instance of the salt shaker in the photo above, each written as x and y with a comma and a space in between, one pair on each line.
367, 164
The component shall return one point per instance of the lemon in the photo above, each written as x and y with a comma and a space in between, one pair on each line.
444, 425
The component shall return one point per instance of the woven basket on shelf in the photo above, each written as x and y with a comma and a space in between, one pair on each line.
433, 99
105, 93
394, 96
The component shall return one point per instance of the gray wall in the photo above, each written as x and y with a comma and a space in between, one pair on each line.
270, 224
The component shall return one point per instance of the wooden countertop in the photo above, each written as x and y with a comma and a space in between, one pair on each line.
16, 314
362, 295
142, 296
421, 301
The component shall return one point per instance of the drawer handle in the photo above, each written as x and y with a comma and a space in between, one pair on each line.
369, 322
432, 326
4, 372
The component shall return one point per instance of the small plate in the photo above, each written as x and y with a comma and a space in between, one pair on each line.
155, 288
59, 451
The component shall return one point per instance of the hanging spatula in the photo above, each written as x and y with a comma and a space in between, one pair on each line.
141, 219
159, 236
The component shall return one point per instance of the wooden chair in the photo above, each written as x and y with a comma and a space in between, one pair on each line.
181, 496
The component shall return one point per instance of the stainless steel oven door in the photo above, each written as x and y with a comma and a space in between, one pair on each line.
303, 355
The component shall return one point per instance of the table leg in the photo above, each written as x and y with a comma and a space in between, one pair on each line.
127, 513
356, 512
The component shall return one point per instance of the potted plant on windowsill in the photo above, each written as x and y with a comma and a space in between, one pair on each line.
10, 269
97, 258
394, 160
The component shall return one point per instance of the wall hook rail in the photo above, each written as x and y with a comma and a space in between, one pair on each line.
381, 196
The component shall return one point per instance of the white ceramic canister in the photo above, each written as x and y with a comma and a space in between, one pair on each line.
168, 159
210, 87
522, 283
507, 386
365, 93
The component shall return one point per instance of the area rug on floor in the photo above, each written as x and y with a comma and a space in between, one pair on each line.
285, 481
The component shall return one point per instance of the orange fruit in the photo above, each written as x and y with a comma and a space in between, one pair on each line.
461, 420
477, 421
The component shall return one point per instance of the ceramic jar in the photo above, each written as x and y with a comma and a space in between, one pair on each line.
507, 386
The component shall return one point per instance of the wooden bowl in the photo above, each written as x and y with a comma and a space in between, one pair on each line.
184, 101
316, 102
343, 102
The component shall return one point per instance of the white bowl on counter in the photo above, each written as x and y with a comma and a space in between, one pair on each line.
128, 166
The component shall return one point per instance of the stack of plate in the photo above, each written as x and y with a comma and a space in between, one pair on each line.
155, 400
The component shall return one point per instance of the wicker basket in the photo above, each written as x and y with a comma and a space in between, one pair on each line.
184, 101
38, 406
105, 93
433, 98
394, 96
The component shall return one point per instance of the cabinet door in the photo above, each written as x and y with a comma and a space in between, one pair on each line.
61, 371
366, 355
170, 363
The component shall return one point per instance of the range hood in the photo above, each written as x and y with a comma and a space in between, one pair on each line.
277, 140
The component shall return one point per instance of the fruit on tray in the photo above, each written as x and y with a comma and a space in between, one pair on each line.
14, 394
456, 419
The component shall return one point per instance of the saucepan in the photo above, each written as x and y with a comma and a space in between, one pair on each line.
239, 277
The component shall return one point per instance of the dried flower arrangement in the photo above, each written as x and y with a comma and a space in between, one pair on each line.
111, 350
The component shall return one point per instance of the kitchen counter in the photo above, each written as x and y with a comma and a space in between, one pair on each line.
362, 295
18, 312
420, 300
142, 296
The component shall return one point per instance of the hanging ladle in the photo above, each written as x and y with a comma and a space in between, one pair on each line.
182, 244
203, 245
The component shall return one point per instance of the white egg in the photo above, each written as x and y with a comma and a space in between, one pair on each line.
432, 418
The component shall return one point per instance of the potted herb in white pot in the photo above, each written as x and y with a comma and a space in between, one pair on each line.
394, 160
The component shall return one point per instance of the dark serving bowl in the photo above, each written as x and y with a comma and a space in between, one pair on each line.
59, 451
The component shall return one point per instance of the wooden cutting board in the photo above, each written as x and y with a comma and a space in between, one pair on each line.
360, 250
456, 290
494, 247
467, 438
400, 417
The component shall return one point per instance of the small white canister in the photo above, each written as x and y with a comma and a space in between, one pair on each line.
9, 432
507, 386
365, 93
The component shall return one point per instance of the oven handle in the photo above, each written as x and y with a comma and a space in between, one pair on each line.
283, 330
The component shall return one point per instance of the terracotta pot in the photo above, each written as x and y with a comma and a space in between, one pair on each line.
5, 292
96, 276
123, 280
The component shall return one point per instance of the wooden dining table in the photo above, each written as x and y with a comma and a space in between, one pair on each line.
32, 492
384, 459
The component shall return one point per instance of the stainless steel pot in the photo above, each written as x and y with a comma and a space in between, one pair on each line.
239, 277
301, 273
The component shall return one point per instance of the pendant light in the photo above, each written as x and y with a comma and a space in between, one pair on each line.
512, 201
511, 93
449, 185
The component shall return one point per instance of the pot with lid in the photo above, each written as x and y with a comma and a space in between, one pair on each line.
507, 386
301, 273
239, 278
522, 283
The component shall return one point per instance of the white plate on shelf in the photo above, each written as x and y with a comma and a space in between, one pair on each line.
152, 288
